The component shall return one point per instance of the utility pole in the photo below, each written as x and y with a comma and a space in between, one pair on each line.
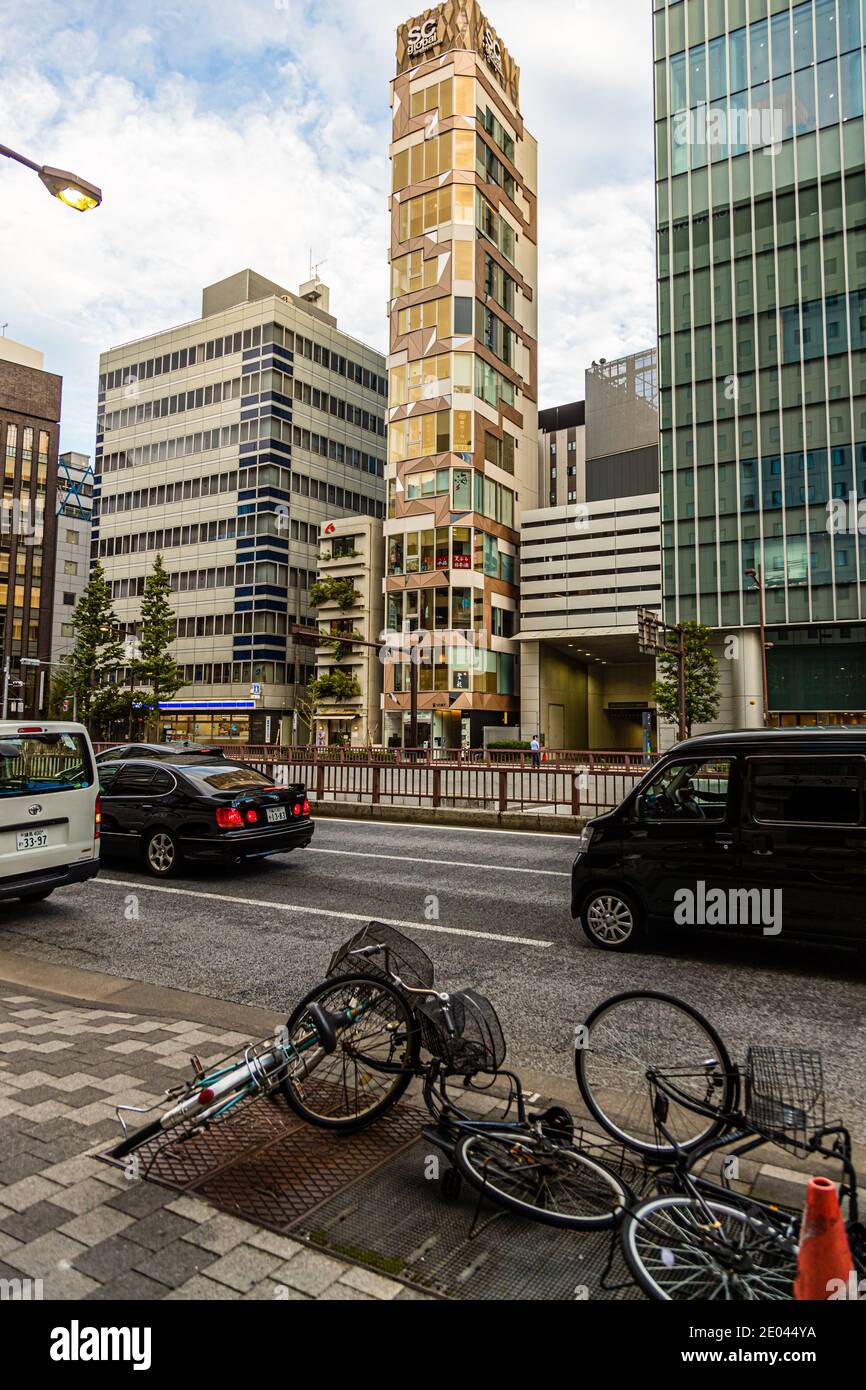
758, 576
7, 671
652, 639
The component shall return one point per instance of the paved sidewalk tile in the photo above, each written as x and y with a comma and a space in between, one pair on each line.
243, 1267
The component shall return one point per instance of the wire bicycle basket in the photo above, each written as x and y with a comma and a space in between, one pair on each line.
404, 958
474, 1041
785, 1093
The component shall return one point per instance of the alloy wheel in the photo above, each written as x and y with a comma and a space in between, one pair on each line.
161, 853
610, 919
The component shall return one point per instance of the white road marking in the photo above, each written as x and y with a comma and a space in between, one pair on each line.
320, 912
446, 863
444, 829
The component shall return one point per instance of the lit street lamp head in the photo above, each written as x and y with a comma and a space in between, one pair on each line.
69, 188
74, 192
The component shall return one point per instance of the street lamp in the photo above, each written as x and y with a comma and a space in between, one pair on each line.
758, 576
69, 188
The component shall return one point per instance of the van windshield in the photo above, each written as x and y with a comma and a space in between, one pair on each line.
43, 763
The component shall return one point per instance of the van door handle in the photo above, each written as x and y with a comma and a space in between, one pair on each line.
724, 841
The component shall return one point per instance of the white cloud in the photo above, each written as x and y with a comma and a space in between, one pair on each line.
239, 134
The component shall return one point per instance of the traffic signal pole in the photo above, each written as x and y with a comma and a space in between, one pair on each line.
653, 641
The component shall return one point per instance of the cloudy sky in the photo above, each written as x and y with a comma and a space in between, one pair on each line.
234, 133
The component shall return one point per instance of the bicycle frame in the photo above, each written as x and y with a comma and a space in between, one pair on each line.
738, 1131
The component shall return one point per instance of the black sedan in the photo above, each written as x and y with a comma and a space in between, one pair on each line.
158, 752
198, 809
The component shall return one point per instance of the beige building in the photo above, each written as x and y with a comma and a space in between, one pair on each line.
226, 444
589, 560
74, 508
352, 549
463, 381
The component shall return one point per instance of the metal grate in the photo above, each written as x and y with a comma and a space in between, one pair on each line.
398, 1222
376, 1197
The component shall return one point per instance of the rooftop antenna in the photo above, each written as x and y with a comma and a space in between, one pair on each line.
314, 266
5, 326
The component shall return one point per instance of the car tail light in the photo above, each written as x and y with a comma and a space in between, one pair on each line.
229, 817
252, 817
306, 807
296, 809
97, 819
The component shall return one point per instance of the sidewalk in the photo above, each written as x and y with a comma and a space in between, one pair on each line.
73, 1045
80, 1226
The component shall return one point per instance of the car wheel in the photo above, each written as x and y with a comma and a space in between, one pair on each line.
37, 896
612, 920
162, 854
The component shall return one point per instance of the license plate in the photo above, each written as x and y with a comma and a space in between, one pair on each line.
32, 839
276, 813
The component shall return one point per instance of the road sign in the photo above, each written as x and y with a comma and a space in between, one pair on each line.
650, 632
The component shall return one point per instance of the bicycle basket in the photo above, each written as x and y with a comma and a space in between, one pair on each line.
785, 1093
476, 1042
404, 958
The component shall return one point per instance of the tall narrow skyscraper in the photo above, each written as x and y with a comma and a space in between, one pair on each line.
463, 398
761, 203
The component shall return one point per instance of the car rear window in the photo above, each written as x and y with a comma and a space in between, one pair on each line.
43, 763
230, 779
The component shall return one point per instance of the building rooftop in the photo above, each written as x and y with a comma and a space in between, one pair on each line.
562, 417
21, 354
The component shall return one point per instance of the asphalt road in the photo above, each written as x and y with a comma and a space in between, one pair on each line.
491, 908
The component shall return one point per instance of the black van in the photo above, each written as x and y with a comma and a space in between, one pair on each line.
760, 832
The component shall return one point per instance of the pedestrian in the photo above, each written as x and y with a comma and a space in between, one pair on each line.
535, 748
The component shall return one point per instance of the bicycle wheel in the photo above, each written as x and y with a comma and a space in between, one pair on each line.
674, 1252
376, 1053
631, 1033
544, 1181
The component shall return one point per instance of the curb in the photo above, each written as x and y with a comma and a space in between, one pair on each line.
446, 815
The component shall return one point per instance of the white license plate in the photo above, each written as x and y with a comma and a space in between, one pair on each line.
32, 839
276, 813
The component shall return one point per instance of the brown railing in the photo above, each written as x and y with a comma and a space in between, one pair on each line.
566, 782
554, 791
550, 759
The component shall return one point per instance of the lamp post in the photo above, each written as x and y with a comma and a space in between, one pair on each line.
75, 192
758, 576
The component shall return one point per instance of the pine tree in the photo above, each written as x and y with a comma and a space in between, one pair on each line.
97, 650
701, 680
155, 669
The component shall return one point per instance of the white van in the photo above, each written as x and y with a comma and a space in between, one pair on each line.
49, 808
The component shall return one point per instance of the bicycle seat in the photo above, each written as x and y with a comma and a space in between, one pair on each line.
326, 1026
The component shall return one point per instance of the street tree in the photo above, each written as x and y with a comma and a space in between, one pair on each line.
154, 668
702, 697
97, 650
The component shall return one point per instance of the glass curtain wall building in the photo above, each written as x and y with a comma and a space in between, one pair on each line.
761, 210
463, 416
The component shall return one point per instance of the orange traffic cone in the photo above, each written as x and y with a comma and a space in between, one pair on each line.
824, 1264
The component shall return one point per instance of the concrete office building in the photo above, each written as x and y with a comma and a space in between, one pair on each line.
352, 548
30, 401
74, 511
761, 215
225, 444
589, 560
463, 373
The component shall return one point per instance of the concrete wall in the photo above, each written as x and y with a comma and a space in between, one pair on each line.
738, 655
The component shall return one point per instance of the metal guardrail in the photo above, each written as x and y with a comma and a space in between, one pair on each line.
565, 782
553, 791
592, 760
